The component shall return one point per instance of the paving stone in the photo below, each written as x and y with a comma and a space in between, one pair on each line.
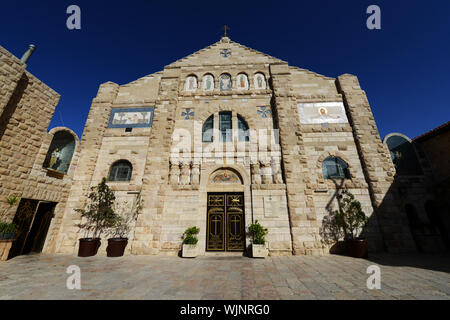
160, 278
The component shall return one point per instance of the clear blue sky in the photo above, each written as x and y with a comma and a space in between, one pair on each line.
404, 68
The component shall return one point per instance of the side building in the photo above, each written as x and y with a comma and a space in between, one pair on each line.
36, 166
423, 182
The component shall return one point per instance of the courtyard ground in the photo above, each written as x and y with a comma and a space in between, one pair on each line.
226, 277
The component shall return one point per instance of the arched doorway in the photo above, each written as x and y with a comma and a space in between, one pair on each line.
225, 221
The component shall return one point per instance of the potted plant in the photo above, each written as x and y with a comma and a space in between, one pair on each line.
121, 228
97, 217
190, 242
7, 229
351, 219
258, 233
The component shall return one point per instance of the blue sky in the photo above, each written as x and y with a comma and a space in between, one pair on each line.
404, 67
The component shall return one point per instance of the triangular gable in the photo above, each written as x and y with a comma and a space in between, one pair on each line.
215, 55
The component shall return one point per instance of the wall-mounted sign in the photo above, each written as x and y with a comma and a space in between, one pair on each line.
322, 112
131, 118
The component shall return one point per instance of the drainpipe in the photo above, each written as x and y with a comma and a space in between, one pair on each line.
28, 53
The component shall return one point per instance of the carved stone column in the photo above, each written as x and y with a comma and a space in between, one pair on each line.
195, 174
266, 171
256, 173
174, 173
276, 170
185, 172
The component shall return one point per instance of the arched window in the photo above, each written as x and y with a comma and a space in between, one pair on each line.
120, 171
208, 129
403, 155
60, 153
208, 82
191, 83
243, 132
334, 167
225, 126
259, 81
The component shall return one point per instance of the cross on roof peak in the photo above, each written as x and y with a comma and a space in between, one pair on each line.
225, 28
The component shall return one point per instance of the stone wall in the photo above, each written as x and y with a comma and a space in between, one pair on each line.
26, 108
377, 165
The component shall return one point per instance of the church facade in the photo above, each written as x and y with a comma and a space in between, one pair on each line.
228, 136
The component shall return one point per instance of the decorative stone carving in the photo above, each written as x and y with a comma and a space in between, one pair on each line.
276, 170
256, 173
266, 172
185, 173
174, 173
195, 174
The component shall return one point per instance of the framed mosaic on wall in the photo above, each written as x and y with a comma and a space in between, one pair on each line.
131, 118
322, 112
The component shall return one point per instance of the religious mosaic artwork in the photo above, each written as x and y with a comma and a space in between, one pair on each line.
187, 114
191, 83
225, 53
225, 82
225, 176
324, 112
242, 81
131, 118
259, 81
60, 153
263, 112
208, 82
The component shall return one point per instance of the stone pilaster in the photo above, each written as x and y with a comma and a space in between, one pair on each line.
156, 174
174, 173
185, 173
276, 171
195, 174
96, 125
256, 173
302, 215
378, 168
266, 171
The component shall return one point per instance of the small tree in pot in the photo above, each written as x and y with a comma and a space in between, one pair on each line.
351, 219
258, 234
121, 228
97, 217
190, 242
8, 230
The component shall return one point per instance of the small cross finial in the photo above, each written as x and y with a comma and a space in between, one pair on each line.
225, 28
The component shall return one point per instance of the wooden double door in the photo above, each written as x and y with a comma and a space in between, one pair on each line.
33, 220
225, 230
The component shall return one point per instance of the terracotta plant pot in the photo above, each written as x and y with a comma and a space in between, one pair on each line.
357, 248
116, 247
88, 247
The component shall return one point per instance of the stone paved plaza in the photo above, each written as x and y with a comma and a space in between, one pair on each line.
226, 277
